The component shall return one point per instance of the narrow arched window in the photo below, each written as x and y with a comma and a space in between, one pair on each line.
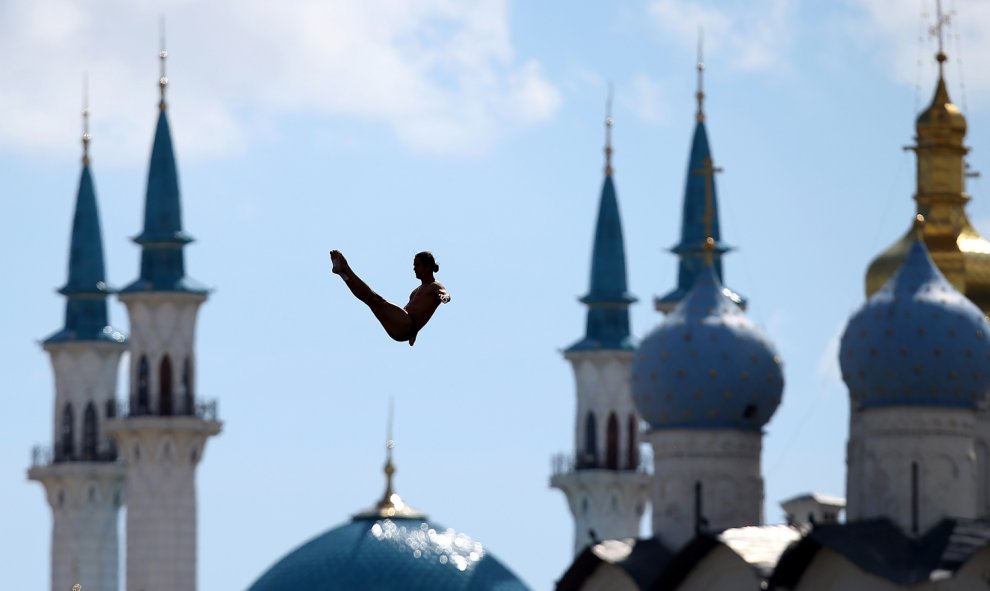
632, 452
612, 443
89, 433
143, 400
589, 457
187, 386
165, 405
67, 447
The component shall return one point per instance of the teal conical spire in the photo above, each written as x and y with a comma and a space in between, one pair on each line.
86, 289
698, 222
607, 299
162, 240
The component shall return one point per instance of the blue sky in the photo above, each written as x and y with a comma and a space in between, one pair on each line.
473, 129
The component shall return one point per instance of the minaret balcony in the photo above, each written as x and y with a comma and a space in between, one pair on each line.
200, 409
102, 451
564, 463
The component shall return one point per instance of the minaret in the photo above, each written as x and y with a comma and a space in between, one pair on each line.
83, 481
699, 184
604, 483
163, 435
707, 380
914, 360
961, 254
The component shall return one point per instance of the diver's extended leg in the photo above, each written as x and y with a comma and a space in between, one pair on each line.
394, 320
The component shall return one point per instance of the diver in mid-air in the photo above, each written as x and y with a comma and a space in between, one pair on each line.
402, 324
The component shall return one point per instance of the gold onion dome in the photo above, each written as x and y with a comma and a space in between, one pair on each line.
959, 251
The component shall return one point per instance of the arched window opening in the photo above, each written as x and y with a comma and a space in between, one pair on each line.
143, 400
914, 497
632, 452
165, 406
89, 433
699, 519
67, 446
612, 443
187, 387
589, 457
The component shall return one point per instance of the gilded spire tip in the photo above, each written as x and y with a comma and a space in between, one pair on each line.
938, 30
86, 137
608, 132
162, 56
700, 94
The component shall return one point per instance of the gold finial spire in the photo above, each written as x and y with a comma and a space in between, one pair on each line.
938, 30
608, 132
86, 137
391, 504
708, 170
162, 56
700, 94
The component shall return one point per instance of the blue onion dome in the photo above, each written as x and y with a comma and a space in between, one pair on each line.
917, 342
707, 366
373, 553
390, 547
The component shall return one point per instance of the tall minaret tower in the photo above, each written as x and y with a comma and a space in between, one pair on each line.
605, 487
700, 196
163, 435
82, 479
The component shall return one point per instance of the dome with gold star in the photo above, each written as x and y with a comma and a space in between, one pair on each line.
707, 365
917, 342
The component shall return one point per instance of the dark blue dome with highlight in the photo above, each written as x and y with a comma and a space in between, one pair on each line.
389, 554
916, 342
707, 366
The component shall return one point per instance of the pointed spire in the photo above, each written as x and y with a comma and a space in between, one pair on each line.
700, 94
699, 219
162, 56
608, 132
938, 30
391, 504
85, 117
86, 289
162, 239
608, 299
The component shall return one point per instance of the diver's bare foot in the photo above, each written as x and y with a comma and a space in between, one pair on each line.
340, 265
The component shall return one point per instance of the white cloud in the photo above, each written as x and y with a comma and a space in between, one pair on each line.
751, 35
441, 73
896, 27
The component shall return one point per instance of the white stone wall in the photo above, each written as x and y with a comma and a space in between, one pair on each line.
885, 443
84, 372
161, 455
609, 503
602, 385
725, 462
606, 502
162, 323
85, 499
